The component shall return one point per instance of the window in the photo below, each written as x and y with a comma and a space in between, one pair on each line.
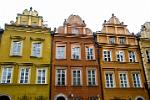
24, 75
111, 40
120, 56
75, 30
60, 52
109, 80
136, 80
16, 48
61, 77
37, 49
41, 76
89, 53
107, 55
6, 75
75, 52
76, 74
132, 57
93, 98
148, 55
122, 40
91, 77
123, 80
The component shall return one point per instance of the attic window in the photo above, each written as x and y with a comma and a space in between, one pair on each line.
74, 30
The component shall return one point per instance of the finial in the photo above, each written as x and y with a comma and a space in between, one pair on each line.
104, 21
83, 21
65, 21
113, 15
30, 8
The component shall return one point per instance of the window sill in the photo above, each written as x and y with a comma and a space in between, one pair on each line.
77, 85
15, 55
92, 85
61, 85
76, 59
91, 59
35, 57
61, 59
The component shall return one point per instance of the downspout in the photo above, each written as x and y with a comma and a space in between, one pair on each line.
145, 84
51, 58
99, 65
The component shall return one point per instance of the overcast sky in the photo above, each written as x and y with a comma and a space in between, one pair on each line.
133, 13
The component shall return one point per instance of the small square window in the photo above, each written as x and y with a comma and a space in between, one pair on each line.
36, 49
16, 48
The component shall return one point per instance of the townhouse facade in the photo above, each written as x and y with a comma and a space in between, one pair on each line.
73, 63
121, 65
144, 43
75, 70
25, 53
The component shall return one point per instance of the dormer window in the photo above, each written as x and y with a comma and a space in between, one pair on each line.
122, 40
74, 30
111, 40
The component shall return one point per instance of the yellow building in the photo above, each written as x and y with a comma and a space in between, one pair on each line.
120, 61
25, 53
145, 49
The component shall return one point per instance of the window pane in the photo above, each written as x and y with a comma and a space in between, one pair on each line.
61, 77
60, 52
24, 75
36, 49
91, 77
6, 74
16, 47
41, 77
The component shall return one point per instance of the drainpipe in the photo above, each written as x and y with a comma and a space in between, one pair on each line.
99, 65
145, 84
51, 58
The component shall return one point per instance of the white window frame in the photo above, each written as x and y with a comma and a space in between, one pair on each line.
24, 76
65, 72
120, 56
74, 30
40, 75
41, 48
135, 81
111, 40
90, 54
132, 56
95, 70
121, 40
106, 56
75, 52
6, 79
58, 51
123, 82
113, 80
18, 52
76, 69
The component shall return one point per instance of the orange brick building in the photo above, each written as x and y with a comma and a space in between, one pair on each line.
75, 71
122, 72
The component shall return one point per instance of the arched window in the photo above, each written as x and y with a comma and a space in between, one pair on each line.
139, 98
3, 97
60, 98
